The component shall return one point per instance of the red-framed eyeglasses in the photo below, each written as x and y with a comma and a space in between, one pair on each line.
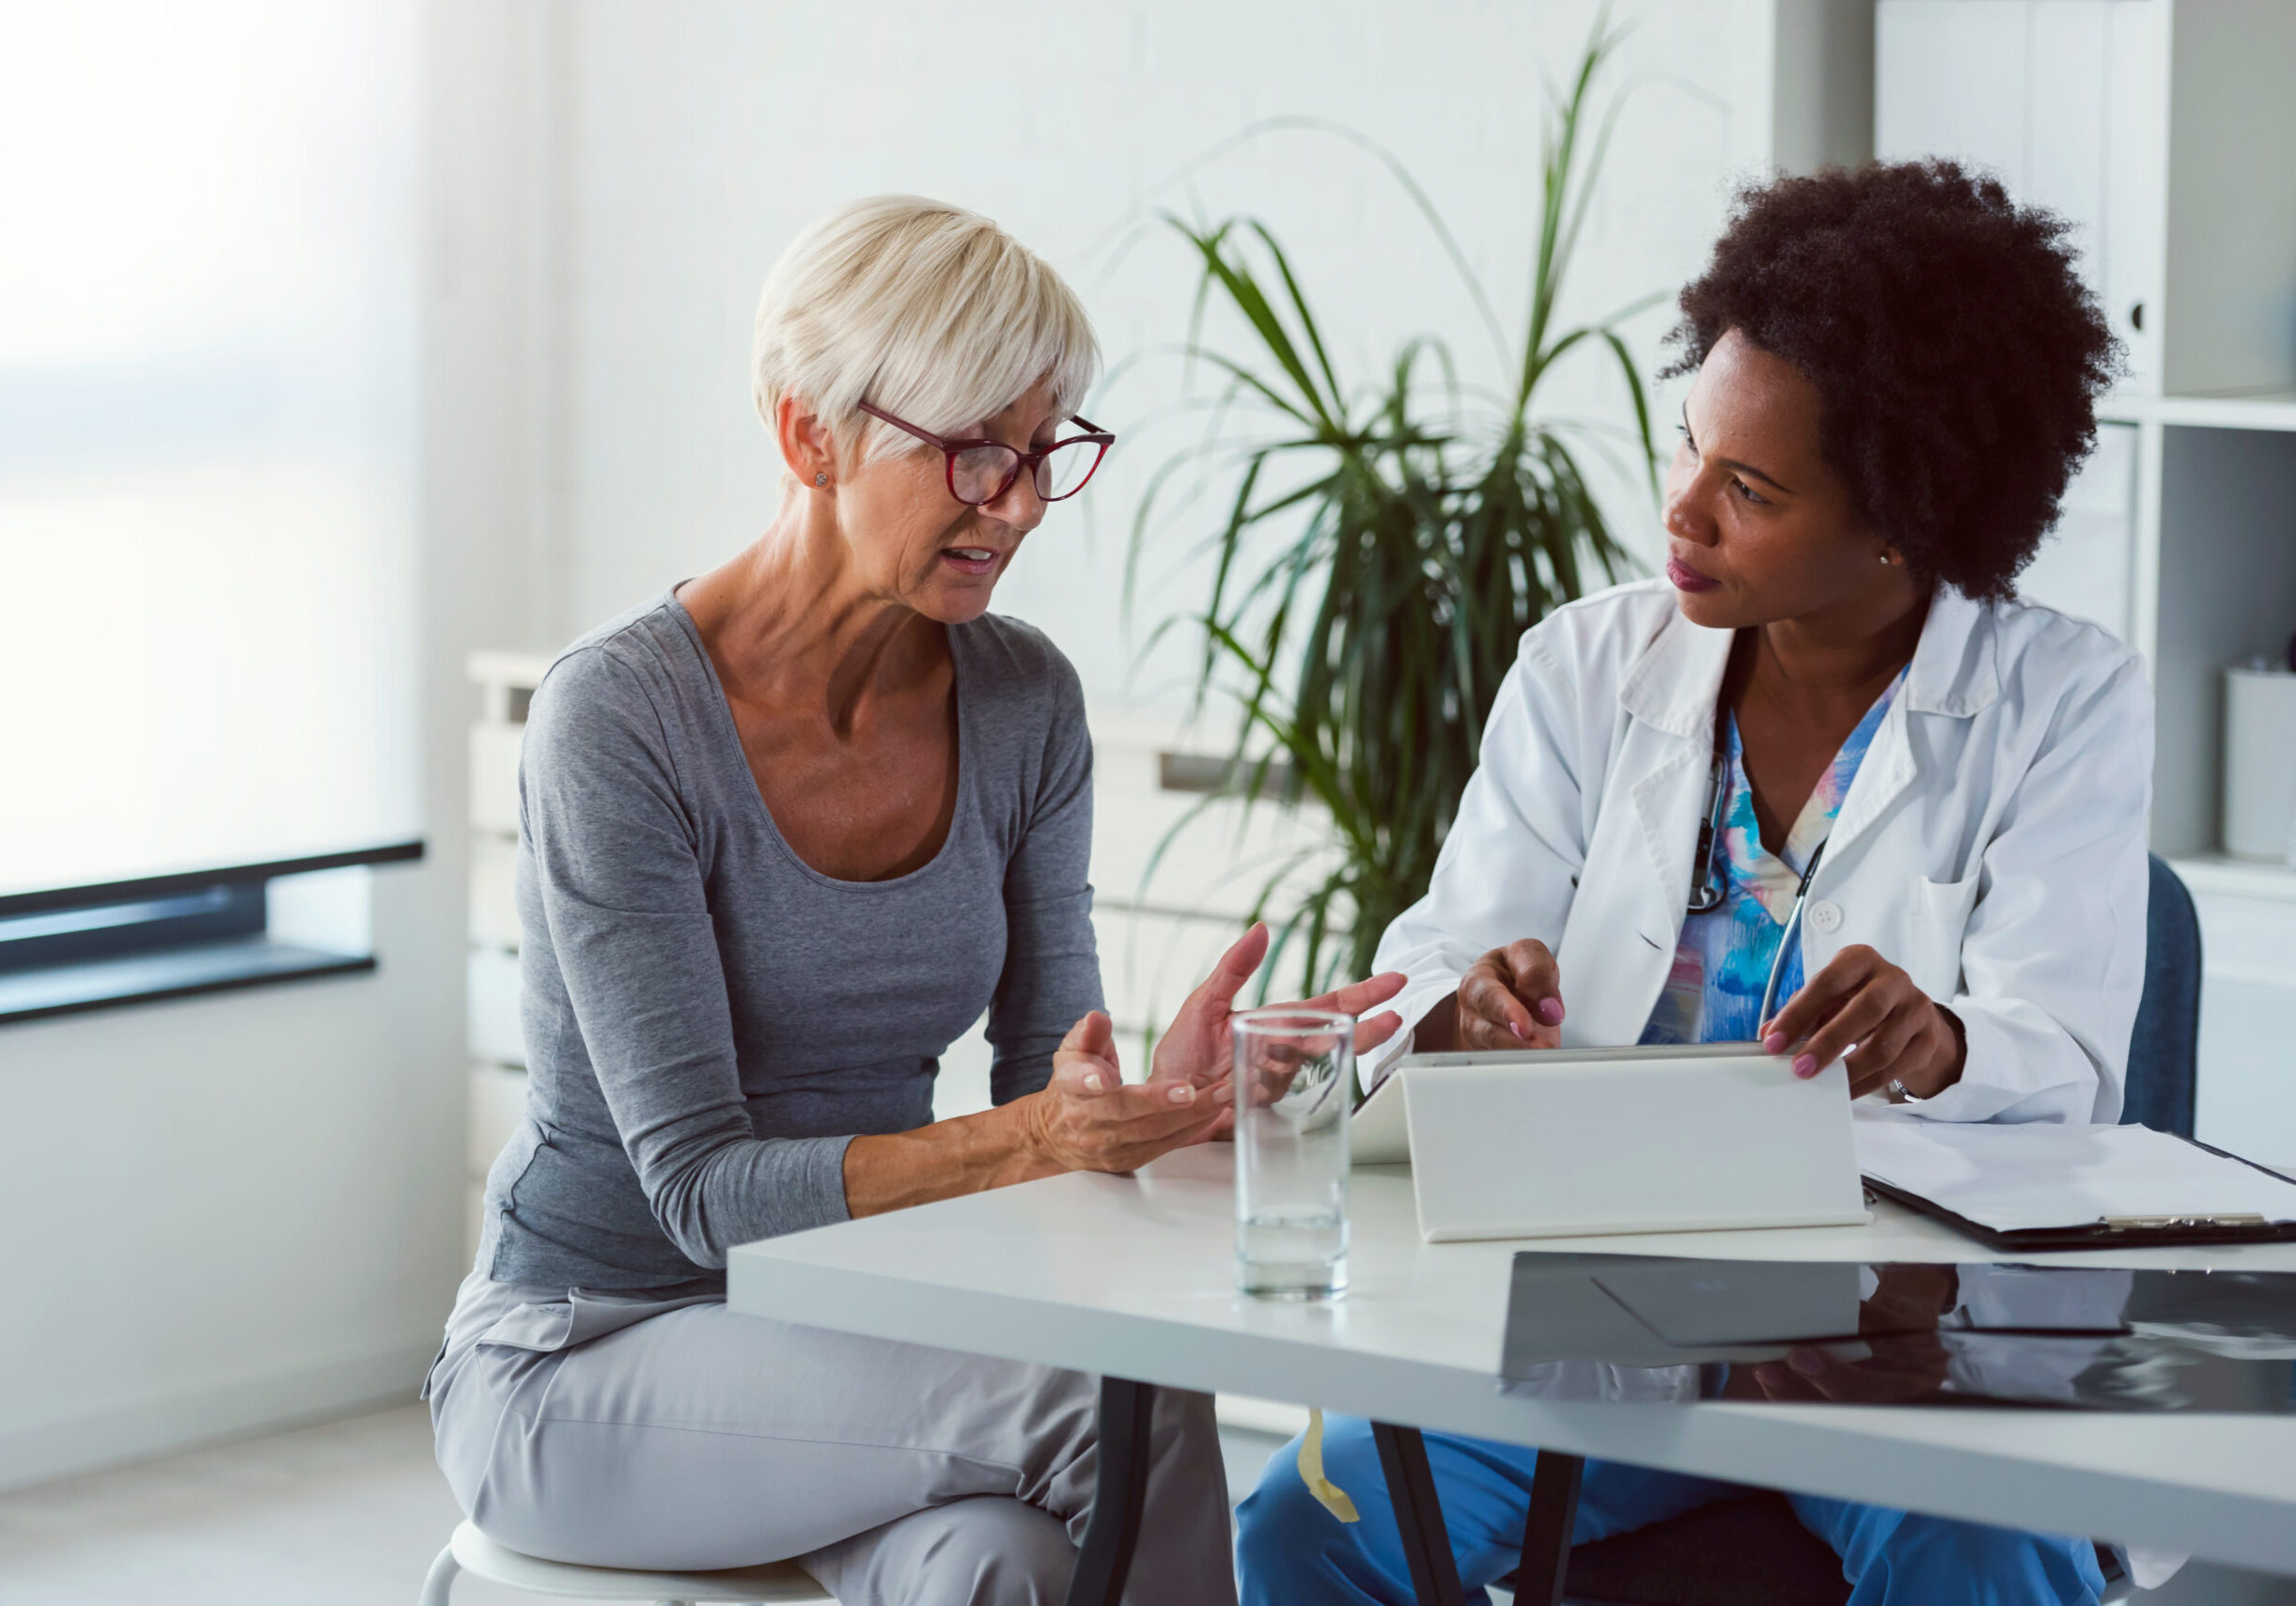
979, 472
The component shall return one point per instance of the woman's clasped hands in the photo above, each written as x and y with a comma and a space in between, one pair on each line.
1088, 1118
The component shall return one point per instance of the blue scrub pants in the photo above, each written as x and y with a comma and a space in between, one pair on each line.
1291, 1551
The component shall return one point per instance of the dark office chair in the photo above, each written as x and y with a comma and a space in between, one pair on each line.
1752, 1552
2165, 1050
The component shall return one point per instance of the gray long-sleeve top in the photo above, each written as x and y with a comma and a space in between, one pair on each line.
709, 1020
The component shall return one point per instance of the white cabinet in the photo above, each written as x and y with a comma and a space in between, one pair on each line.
2066, 101
2158, 128
2088, 565
2247, 1093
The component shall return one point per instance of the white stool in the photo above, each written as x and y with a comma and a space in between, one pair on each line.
472, 1551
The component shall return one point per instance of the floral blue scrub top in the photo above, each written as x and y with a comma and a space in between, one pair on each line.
1713, 993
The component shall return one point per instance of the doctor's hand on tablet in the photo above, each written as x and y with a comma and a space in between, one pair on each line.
1511, 998
1862, 1005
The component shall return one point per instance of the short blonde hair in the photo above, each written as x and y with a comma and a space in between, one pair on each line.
926, 310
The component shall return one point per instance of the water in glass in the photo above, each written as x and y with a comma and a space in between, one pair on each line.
1295, 1072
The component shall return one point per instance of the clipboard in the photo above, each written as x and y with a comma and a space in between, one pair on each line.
2242, 1179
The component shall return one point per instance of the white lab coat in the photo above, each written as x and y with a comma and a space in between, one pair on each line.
1992, 843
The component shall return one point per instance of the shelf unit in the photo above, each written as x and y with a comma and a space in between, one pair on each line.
2159, 128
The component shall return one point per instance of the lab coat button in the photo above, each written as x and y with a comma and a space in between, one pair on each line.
1825, 915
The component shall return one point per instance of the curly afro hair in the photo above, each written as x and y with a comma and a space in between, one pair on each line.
1957, 353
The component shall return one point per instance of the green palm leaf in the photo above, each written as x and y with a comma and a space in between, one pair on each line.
1377, 564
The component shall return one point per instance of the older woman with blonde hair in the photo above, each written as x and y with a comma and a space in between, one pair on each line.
788, 829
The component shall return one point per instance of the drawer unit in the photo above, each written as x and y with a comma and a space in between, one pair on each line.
2245, 1100
497, 1093
492, 999
493, 909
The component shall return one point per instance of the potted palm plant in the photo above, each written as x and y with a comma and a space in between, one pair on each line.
1385, 547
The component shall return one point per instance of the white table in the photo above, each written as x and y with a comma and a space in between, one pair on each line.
1130, 1277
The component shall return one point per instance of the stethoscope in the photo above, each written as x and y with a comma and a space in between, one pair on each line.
1712, 887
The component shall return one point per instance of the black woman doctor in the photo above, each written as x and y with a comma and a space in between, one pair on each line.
1828, 786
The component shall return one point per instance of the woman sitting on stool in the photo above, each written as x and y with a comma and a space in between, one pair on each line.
787, 830
1895, 373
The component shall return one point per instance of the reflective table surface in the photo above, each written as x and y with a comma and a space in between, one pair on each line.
1672, 1330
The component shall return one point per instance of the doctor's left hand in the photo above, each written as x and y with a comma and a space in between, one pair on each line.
1199, 1047
1862, 1005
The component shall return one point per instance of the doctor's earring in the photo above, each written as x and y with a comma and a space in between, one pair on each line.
824, 479
1886, 560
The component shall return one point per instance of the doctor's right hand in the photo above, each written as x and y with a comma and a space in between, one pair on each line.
1511, 998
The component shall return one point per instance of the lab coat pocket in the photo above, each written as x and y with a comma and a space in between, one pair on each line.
1939, 920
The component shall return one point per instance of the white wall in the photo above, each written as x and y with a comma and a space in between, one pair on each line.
697, 139
237, 1210
232, 1211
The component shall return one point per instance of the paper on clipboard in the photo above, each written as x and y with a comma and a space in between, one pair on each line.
2035, 1175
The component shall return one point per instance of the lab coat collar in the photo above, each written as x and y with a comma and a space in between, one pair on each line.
1953, 672
1678, 675
1676, 680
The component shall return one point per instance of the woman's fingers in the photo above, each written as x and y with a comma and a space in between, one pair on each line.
1512, 998
1358, 996
1880, 1051
1194, 1047
1861, 1002
1157, 1107
1133, 1144
1353, 999
1093, 1035
1477, 1030
1370, 1033
1819, 997
1487, 998
1926, 1060
1086, 1062
1538, 980
1153, 1102
1861, 1015
1094, 1120
1236, 967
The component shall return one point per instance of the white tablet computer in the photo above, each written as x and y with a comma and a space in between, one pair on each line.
1570, 1141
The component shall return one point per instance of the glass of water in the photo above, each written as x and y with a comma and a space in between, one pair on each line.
1295, 1073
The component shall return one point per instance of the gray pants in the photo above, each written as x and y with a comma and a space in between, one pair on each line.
670, 1433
